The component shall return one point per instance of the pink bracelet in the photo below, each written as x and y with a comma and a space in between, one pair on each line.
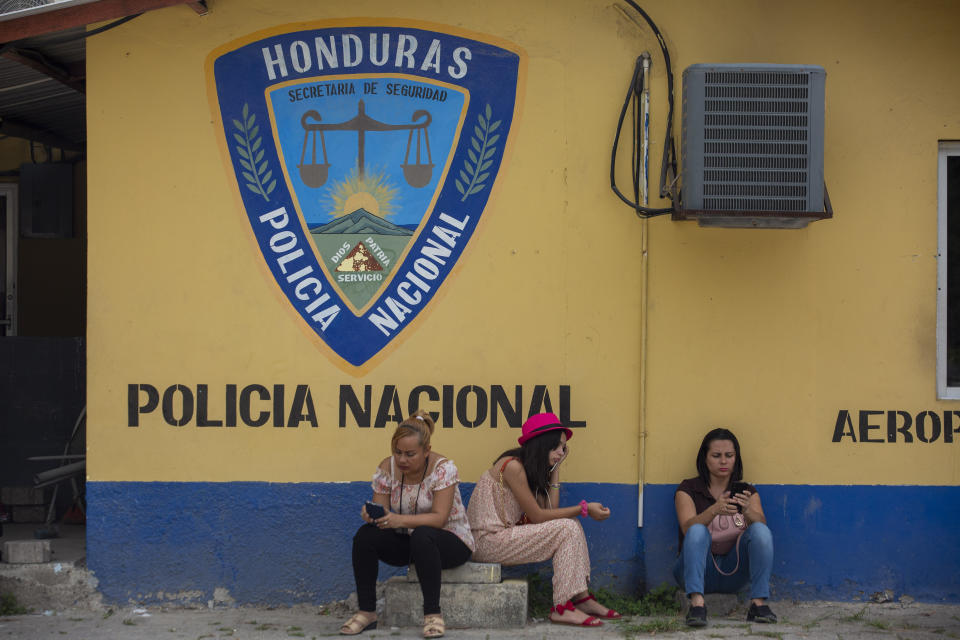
583, 508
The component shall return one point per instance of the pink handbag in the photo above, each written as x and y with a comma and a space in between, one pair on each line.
725, 531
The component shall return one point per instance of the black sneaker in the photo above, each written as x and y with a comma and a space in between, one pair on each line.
697, 616
760, 614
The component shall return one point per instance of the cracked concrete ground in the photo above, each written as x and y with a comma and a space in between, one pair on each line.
815, 620
67, 605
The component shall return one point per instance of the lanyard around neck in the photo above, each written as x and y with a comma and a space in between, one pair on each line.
416, 504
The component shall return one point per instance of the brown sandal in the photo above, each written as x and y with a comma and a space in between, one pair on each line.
434, 626
358, 623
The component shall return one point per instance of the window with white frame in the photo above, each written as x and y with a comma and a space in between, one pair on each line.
948, 271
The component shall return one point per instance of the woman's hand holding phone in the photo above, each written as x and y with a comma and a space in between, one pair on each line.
376, 514
371, 512
726, 504
740, 495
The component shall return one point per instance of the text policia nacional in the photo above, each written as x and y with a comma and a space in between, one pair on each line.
279, 405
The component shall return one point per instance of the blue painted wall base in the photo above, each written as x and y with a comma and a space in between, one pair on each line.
838, 542
278, 543
271, 543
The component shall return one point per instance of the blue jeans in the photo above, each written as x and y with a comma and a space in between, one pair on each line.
695, 572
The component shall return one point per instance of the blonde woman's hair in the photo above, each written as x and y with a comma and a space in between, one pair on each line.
419, 424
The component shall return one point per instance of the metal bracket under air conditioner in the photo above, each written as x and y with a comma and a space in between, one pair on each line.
757, 219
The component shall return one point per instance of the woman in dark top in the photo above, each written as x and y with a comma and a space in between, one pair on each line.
713, 502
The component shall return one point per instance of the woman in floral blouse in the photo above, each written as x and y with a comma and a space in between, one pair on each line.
424, 524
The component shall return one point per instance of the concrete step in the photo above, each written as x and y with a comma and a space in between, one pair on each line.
50, 585
468, 573
26, 551
62, 583
463, 605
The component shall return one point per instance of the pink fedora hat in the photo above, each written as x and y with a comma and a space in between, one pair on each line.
539, 424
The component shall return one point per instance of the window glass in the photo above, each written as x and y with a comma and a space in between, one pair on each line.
953, 270
948, 272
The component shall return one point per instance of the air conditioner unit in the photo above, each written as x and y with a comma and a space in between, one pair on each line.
752, 146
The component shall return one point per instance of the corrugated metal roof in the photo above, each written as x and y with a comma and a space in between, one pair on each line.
42, 76
10, 9
66, 46
39, 101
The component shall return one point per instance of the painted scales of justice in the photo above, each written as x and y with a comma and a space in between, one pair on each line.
314, 174
361, 246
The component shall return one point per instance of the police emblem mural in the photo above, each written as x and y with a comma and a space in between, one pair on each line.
364, 157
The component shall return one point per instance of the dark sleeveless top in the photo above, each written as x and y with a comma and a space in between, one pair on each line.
699, 491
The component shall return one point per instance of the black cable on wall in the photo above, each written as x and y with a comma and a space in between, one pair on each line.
668, 163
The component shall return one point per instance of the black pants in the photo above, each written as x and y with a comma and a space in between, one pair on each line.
429, 548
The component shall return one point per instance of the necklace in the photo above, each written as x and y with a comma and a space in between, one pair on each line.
416, 504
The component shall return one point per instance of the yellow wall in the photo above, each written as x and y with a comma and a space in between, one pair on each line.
769, 332
774, 332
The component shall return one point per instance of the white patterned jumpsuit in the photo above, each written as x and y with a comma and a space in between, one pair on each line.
493, 504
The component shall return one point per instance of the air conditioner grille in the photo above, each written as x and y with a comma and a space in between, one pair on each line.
726, 175
740, 120
750, 135
757, 93
759, 204
755, 148
756, 190
756, 133
755, 162
756, 106
756, 77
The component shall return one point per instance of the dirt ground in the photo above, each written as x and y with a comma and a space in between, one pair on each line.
815, 620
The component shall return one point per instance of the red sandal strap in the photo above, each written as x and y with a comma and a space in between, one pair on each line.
590, 621
611, 614
560, 608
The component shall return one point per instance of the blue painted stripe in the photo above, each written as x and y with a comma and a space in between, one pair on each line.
839, 542
282, 543
271, 543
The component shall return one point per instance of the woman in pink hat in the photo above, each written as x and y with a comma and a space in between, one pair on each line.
523, 488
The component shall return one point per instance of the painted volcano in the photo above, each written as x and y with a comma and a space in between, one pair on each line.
362, 221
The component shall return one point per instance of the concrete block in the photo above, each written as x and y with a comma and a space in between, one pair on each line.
468, 573
28, 514
26, 551
52, 586
463, 606
11, 496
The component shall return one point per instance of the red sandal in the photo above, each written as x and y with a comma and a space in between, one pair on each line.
611, 614
591, 621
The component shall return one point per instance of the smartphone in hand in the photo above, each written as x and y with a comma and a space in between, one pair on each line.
739, 487
375, 510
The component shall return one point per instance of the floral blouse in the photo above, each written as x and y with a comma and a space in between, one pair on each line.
444, 475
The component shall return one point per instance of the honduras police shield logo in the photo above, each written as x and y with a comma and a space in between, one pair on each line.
364, 157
